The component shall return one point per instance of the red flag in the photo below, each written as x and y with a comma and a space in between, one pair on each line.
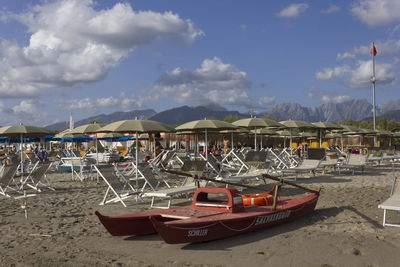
373, 50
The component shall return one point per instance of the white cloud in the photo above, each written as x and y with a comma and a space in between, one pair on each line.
335, 99
72, 43
93, 105
345, 55
331, 9
28, 111
360, 75
376, 12
214, 82
293, 10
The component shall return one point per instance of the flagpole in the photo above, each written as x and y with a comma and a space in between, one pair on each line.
373, 91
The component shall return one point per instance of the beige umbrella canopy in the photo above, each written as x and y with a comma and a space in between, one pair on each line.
296, 124
255, 123
22, 131
136, 126
87, 128
349, 128
327, 125
68, 135
323, 126
110, 135
205, 125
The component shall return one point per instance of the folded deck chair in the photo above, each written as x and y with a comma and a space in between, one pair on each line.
118, 185
7, 180
306, 165
188, 186
354, 161
331, 160
37, 177
392, 203
256, 164
375, 155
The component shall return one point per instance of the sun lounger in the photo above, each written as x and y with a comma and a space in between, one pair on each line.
392, 203
374, 155
354, 161
306, 165
37, 177
188, 186
7, 180
118, 185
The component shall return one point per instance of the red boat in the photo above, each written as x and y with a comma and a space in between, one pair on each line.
215, 213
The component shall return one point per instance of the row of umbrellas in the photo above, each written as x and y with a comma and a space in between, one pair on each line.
116, 129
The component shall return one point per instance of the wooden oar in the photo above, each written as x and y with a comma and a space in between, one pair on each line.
213, 180
289, 183
242, 185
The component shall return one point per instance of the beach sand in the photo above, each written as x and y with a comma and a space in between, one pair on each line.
345, 230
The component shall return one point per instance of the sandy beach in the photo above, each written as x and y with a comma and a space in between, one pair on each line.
345, 230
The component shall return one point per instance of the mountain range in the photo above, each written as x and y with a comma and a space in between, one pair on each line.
356, 109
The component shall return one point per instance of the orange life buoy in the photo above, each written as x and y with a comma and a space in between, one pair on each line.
261, 199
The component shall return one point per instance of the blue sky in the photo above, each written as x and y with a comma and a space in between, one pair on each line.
90, 57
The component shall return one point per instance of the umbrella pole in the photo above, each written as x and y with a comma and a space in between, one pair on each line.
290, 141
22, 159
320, 138
261, 141
97, 152
232, 140
137, 163
206, 146
255, 139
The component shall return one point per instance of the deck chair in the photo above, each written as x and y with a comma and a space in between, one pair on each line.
188, 185
392, 203
7, 180
306, 165
37, 177
331, 161
354, 161
256, 165
118, 185
375, 155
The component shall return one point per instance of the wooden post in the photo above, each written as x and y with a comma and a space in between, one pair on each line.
275, 197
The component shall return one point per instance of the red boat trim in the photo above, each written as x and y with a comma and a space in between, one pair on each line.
256, 218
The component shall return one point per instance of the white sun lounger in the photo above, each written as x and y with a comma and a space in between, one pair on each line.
392, 203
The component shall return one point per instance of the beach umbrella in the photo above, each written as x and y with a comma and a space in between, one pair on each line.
296, 124
205, 125
264, 131
136, 126
22, 131
89, 128
323, 126
238, 130
254, 123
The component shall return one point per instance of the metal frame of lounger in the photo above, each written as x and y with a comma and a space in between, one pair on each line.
188, 186
119, 185
300, 168
35, 177
392, 203
7, 180
278, 161
352, 164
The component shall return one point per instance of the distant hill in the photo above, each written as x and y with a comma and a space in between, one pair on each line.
180, 115
116, 116
355, 109
390, 115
